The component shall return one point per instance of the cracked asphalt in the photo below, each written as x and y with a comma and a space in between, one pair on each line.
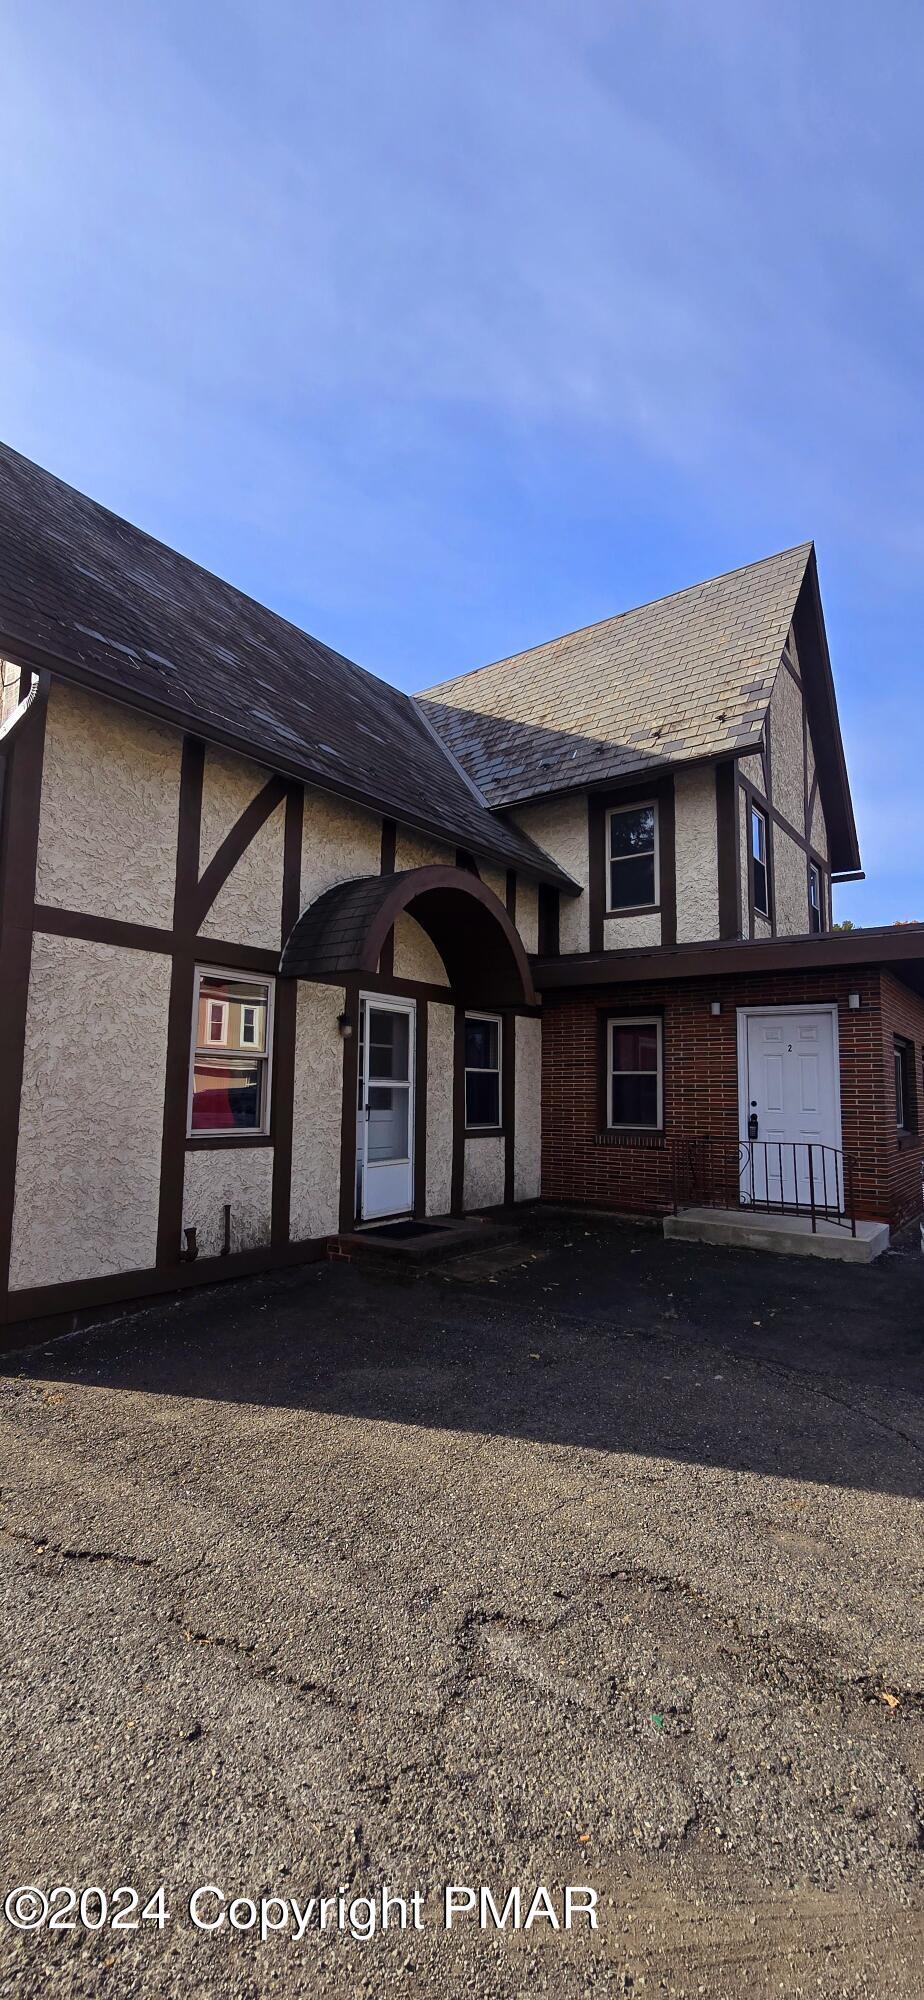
591, 1560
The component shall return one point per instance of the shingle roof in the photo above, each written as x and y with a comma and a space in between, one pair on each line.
118, 611
686, 677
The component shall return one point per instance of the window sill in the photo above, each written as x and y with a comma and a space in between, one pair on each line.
486, 1131
638, 1136
199, 1142
635, 910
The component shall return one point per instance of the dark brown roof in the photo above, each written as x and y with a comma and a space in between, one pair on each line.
87, 594
685, 678
897, 947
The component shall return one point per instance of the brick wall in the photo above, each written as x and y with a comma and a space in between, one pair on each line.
903, 1014
635, 1174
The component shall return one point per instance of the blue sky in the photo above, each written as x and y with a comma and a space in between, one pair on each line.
444, 326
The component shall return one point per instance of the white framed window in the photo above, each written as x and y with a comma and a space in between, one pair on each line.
816, 906
635, 1073
482, 1072
633, 863
759, 861
906, 1110
229, 1069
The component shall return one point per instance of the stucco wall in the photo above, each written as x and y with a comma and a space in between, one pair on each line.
241, 1175
819, 830
528, 913
247, 908
414, 850
752, 768
339, 842
697, 852
440, 1029
317, 1100
527, 1146
632, 933
790, 885
110, 804
560, 828
416, 956
88, 1166
786, 749
483, 1183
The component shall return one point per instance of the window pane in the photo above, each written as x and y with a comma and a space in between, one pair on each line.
632, 882
899, 1089
482, 1098
227, 1094
387, 1134
635, 1048
226, 1007
632, 832
389, 1043
758, 835
635, 1100
761, 901
481, 1044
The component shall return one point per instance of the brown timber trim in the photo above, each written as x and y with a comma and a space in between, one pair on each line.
509, 1102
40, 1302
548, 925
599, 804
285, 1015
667, 860
179, 1016
145, 937
387, 867
728, 856
235, 844
420, 1110
348, 1109
597, 809
885, 946
458, 1113
23, 758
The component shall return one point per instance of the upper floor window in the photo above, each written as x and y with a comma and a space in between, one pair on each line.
759, 849
816, 907
229, 1091
632, 851
482, 1072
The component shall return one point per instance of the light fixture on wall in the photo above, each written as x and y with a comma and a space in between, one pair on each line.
715, 1006
853, 1002
345, 1026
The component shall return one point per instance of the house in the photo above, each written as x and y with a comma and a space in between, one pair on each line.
284, 950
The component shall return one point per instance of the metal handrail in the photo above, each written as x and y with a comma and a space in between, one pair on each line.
771, 1176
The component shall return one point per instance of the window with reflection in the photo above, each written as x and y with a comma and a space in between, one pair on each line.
229, 1082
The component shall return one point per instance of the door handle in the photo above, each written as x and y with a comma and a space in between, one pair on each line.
753, 1126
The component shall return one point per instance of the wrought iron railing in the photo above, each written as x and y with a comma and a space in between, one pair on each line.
772, 1176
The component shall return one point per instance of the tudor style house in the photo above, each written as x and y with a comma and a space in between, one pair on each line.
285, 953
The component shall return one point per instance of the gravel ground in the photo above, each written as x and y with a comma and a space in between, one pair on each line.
591, 1560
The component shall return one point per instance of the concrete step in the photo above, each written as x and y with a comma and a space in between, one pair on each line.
790, 1235
430, 1242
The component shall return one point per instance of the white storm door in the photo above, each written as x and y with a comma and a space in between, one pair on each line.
790, 1076
387, 1106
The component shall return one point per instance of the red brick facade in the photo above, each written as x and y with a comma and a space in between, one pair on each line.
580, 1163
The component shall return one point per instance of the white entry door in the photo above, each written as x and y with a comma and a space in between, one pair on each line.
788, 1071
385, 1124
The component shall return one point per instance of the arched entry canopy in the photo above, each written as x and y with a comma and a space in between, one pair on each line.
343, 933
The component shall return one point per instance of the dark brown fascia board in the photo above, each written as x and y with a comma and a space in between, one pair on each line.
40, 660
639, 775
808, 953
827, 742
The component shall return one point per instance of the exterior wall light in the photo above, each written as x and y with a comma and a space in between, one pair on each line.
715, 1006
345, 1026
853, 1002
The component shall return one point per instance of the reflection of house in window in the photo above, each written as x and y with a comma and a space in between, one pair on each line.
230, 1092
218, 1021
248, 1027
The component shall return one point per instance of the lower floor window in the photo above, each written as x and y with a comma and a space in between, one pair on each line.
482, 1072
229, 1092
635, 1084
906, 1110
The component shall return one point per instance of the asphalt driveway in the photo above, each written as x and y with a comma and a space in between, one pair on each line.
590, 1562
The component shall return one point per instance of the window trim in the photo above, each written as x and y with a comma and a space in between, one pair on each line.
218, 1041
755, 808
816, 909
612, 1021
476, 1131
906, 1087
631, 909
220, 1135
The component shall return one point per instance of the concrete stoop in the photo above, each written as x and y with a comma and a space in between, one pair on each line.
415, 1243
790, 1235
